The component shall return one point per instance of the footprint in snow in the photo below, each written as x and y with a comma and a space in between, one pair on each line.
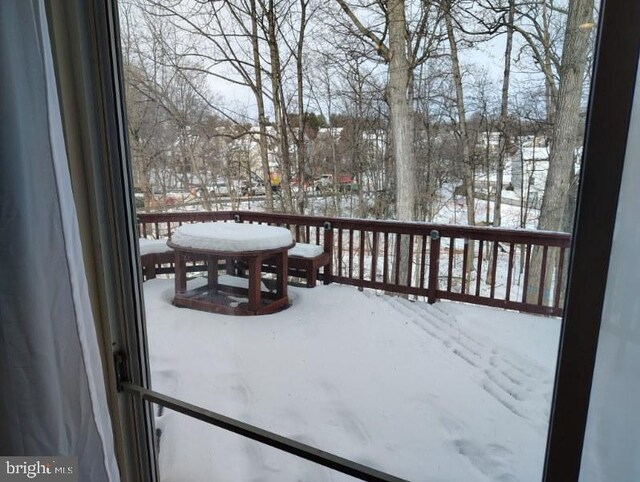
351, 423
491, 460
241, 391
328, 388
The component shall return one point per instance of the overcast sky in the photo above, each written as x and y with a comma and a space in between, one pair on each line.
487, 57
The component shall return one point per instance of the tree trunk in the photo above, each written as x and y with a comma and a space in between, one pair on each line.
549, 81
301, 117
279, 107
504, 117
562, 155
401, 120
400, 107
467, 169
504, 138
262, 119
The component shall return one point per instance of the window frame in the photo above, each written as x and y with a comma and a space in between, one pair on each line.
605, 143
614, 75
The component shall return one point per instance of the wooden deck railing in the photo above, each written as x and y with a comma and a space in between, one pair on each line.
479, 265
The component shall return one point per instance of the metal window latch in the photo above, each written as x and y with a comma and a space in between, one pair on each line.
122, 369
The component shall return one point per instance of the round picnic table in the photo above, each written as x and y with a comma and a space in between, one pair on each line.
240, 246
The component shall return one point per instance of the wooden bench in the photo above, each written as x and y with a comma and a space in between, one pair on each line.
152, 264
305, 260
153, 254
158, 258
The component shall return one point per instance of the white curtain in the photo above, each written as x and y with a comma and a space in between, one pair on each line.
52, 394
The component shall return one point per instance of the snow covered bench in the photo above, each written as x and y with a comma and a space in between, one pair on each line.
305, 260
154, 253
158, 258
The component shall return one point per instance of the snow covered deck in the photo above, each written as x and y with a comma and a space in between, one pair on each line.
426, 392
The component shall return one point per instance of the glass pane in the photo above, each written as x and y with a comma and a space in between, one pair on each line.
613, 424
192, 450
429, 181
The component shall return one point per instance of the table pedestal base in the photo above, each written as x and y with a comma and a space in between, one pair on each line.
223, 300
218, 298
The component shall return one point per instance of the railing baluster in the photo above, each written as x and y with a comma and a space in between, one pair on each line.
410, 260
374, 256
308, 233
317, 235
361, 258
479, 268
494, 270
397, 258
385, 261
452, 249
351, 253
465, 258
510, 271
157, 228
525, 288
298, 240
556, 301
339, 252
543, 273
423, 260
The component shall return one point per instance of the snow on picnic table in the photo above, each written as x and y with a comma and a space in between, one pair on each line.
447, 392
231, 237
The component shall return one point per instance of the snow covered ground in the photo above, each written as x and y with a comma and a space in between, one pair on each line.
447, 392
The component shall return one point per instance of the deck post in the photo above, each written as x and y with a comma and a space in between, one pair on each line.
327, 272
434, 262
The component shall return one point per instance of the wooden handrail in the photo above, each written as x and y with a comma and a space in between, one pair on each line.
443, 261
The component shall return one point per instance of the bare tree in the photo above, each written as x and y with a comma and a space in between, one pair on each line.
563, 148
504, 117
467, 167
215, 36
402, 44
171, 129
